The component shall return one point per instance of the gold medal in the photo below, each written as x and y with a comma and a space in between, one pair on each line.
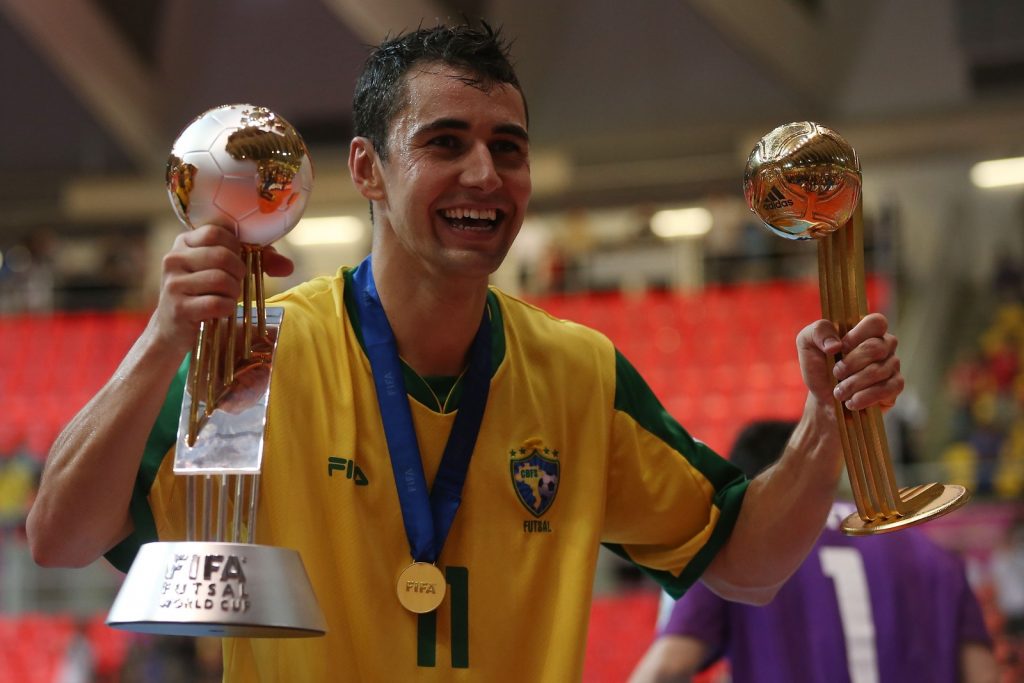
421, 587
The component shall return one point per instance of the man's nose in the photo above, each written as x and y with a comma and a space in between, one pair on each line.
479, 170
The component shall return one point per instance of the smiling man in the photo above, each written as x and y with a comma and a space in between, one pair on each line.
497, 447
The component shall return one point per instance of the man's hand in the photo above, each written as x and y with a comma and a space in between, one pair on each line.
202, 280
785, 506
869, 372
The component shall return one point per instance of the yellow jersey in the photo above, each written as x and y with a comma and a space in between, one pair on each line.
574, 451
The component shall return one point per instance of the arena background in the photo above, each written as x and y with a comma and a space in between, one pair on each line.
635, 108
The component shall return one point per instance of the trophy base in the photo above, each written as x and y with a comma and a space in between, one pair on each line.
217, 589
949, 497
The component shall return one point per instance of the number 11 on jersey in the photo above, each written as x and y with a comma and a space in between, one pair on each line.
426, 630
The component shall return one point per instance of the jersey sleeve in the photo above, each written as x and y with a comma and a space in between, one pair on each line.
154, 460
701, 615
671, 501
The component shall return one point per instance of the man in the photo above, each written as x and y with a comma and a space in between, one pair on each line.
557, 446
873, 609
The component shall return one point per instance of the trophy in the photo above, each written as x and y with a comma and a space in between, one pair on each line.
803, 181
246, 169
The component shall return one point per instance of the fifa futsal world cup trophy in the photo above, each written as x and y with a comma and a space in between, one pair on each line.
244, 168
804, 182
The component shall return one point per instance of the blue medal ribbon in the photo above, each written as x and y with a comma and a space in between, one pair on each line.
427, 517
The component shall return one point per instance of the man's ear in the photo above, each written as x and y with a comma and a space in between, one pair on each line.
364, 167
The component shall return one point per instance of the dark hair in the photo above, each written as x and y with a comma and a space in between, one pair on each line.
380, 92
760, 444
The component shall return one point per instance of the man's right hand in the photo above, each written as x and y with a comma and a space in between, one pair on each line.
202, 280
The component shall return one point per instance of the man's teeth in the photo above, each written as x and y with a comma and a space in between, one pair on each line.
480, 214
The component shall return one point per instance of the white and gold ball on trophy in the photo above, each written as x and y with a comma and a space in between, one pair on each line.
243, 167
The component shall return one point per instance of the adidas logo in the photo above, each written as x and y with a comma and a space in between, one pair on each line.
349, 468
776, 200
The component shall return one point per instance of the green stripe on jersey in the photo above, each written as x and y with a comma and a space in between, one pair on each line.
634, 397
161, 438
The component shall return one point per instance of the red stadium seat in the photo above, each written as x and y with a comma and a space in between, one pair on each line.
621, 628
717, 358
51, 366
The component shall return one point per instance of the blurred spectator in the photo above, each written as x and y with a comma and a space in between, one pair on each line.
78, 664
891, 607
173, 659
1010, 476
1008, 575
986, 440
26, 274
1009, 277
906, 422
986, 388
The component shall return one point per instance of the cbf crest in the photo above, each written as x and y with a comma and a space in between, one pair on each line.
535, 472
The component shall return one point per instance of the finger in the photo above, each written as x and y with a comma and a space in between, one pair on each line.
201, 258
189, 311
872, 350
206, 307
212, 235
883, 395
276, 264
871, 325
821, 335
211, 281
873, 375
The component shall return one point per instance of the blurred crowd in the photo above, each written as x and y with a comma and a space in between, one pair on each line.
986, 389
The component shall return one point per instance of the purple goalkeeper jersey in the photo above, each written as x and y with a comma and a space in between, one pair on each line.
875, 609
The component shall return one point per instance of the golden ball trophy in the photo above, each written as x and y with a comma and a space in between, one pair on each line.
803, 181
246, 169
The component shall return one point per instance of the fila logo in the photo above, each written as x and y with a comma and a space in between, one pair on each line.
776, 200
349, 468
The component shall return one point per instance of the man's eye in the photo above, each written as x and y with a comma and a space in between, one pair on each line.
446, 141
505, 147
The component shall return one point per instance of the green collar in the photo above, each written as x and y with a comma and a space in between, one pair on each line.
441, 394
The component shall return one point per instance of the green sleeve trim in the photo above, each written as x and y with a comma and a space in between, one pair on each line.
728, 502
634, 397
161, 439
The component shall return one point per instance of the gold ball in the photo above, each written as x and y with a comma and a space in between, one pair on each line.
803, 180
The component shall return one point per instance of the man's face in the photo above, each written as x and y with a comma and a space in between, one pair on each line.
457, 178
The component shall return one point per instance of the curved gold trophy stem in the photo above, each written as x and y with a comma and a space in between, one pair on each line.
261, 308
215, 360
881, 505
214, 354
247, 288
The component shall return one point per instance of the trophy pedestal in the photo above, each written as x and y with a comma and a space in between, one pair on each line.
946, 498
193, 588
